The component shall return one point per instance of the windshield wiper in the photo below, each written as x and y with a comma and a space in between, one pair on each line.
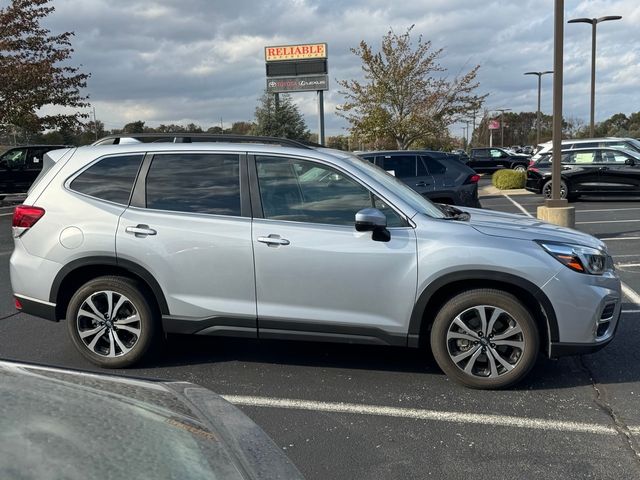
453, 213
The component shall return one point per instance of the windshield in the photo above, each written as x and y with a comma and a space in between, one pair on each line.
413, 198
635, 143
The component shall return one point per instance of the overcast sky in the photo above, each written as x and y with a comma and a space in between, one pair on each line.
179, 61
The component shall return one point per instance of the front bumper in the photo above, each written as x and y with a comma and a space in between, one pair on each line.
587, 309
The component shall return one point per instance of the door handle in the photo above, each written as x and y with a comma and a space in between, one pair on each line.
602, 169
140, 230
274, 240
421, 184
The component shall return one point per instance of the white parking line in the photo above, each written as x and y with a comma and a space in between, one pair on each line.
424, 414
622, 265
608, 221
610, 239
607, 210
630, 294
517, 205
6, 214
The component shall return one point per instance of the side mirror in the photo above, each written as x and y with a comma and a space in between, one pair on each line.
373, 220
630, 161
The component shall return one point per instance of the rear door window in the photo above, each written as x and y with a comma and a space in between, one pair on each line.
401, 166
434, 166
14, 159
195, 183
110, 179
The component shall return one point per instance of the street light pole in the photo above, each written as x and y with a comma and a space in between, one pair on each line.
539, 74
593, 22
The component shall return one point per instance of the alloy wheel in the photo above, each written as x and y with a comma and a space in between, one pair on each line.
108, 324
485, 341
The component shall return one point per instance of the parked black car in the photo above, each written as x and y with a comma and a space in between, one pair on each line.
438, 176
610, 171
19, 166
491, 159
57, 423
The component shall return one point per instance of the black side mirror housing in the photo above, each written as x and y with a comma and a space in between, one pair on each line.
630, 161
373, 220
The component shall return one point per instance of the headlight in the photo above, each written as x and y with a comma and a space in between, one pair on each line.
579, 258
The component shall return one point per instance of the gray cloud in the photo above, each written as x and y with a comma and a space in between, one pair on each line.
202, 60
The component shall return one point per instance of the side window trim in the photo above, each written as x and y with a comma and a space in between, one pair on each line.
256, 201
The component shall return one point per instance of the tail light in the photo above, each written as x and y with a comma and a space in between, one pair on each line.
533, 169
25, 217
18, 303
475, 178
532, 163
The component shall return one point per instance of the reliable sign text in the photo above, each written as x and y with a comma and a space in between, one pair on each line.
295, 52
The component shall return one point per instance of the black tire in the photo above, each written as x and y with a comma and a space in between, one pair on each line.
519, 168
129, 348
565, 192
486, 371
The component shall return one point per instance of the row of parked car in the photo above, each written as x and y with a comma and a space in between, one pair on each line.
590, 166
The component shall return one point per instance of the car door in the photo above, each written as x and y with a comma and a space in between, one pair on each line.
409, 169
581, 169
619, 172
189, 226
479, 159
13, 176
314, 271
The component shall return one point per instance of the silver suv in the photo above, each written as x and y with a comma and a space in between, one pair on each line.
131, 242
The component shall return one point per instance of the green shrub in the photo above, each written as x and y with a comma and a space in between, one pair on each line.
508, 179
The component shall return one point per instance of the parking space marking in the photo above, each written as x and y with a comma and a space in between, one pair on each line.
630, 293
609, 239
607, 210
608, 221
424, 414
622, 265
6, 214
517, 205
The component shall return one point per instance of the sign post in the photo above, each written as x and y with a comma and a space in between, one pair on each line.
299, 68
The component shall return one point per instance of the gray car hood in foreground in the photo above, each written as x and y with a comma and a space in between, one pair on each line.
57, 423
508, 225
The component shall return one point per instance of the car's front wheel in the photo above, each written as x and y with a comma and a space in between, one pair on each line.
485, 338
111, 322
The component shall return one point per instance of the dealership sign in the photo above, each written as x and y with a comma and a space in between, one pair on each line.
295, 52
494, 124
297, 84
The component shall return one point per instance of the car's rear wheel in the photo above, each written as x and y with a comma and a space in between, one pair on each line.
111, 322
485, 338
564, 190
520, 168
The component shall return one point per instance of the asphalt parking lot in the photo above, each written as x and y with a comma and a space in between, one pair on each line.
365, 412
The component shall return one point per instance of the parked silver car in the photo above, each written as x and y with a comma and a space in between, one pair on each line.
66, 424
131, 241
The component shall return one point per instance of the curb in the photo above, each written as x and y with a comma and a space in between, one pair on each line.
490, 190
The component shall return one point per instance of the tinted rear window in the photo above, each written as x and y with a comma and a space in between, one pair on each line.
110, 179
197, 183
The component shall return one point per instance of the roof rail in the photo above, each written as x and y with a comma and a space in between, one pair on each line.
201, 137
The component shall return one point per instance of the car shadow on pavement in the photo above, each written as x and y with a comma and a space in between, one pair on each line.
183, 350
566, 372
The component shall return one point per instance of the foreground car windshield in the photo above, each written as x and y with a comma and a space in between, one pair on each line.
417, 201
